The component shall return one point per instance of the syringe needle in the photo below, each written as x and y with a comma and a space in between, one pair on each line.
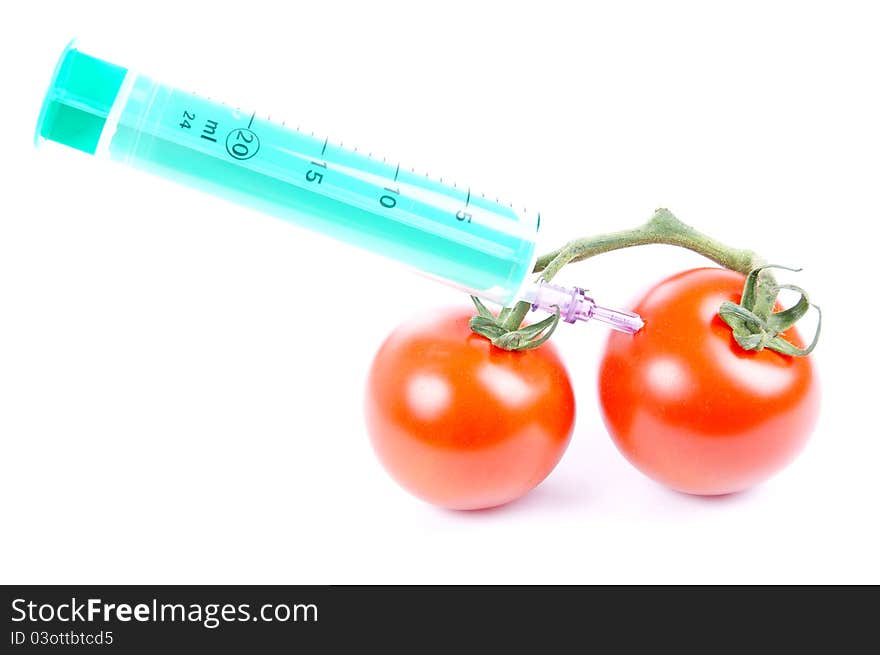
617, 319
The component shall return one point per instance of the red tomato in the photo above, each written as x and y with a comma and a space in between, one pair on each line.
690, 408
463, 424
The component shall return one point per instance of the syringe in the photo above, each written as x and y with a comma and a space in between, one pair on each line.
448, 233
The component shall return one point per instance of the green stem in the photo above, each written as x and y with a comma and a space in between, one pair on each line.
663, 227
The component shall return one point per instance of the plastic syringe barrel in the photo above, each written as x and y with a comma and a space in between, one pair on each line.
448, 233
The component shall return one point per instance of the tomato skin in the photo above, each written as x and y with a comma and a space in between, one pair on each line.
690, 408
463, 424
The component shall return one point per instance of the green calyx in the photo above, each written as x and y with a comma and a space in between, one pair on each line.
511, 337
754, 323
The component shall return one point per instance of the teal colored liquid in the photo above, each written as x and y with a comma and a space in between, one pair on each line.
471, 242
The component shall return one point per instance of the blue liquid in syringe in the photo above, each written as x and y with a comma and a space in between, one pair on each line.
450, 233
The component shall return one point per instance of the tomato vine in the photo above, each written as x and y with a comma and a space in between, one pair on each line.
754, 323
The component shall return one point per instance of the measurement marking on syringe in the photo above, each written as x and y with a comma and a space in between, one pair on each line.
389, 201
242, 144
209, 130
313, 175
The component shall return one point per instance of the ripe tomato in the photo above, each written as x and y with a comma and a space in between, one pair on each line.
688, 406
463, 424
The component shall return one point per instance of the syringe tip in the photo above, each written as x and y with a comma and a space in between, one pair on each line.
618, 319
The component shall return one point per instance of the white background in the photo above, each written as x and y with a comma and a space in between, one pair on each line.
181, 387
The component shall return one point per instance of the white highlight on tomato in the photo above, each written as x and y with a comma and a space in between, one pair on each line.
762, 378
710, 305
667, 376
505, 384
428, 396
